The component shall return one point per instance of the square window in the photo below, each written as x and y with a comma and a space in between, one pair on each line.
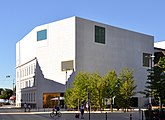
100, 34
42, 35
146, 59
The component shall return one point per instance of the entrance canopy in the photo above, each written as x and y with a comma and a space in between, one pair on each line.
57, 98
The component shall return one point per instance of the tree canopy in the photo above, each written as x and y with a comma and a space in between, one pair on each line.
110, 86
126, 88
156, 82
97, 88
5, 93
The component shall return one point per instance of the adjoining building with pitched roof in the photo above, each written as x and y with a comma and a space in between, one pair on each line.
159, 51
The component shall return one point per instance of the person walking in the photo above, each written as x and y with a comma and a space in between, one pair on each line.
29, 107
25, 106
82, 111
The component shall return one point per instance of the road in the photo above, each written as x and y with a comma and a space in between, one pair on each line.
11, 114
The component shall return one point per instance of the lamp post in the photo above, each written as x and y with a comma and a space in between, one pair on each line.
150, 96
66, 76
106, 106
13, 87
8, 76
88, 94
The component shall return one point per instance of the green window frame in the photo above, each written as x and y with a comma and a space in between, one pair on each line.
42, 35
100, 34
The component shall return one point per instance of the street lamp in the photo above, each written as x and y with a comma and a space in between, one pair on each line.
66, 76
8, 76
89, 97
151, 60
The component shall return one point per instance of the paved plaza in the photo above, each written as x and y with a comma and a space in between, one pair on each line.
8, 113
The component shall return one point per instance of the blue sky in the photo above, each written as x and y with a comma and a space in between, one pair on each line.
19, 17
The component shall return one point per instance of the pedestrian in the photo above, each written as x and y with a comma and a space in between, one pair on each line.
25, 106
29, 107
87, 106
82, 111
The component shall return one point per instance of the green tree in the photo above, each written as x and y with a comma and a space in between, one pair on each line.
95, 89
78, 93
125, 88
1, 89
6, 93
161, 63
71, 98
110, 84
100, 87
81, 85
156, 82
161, 90
85, 84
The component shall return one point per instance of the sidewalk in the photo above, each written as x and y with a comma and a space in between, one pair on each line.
70, 115
11, 108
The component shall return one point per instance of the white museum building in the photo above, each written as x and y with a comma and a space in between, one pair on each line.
52, 54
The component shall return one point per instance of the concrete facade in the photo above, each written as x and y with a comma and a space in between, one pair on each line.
38, 63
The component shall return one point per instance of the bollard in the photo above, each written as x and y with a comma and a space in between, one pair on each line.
139, 114
130, 116
142, 114
106, 116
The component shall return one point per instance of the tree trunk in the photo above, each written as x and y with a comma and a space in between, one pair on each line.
111, 107
100, 101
